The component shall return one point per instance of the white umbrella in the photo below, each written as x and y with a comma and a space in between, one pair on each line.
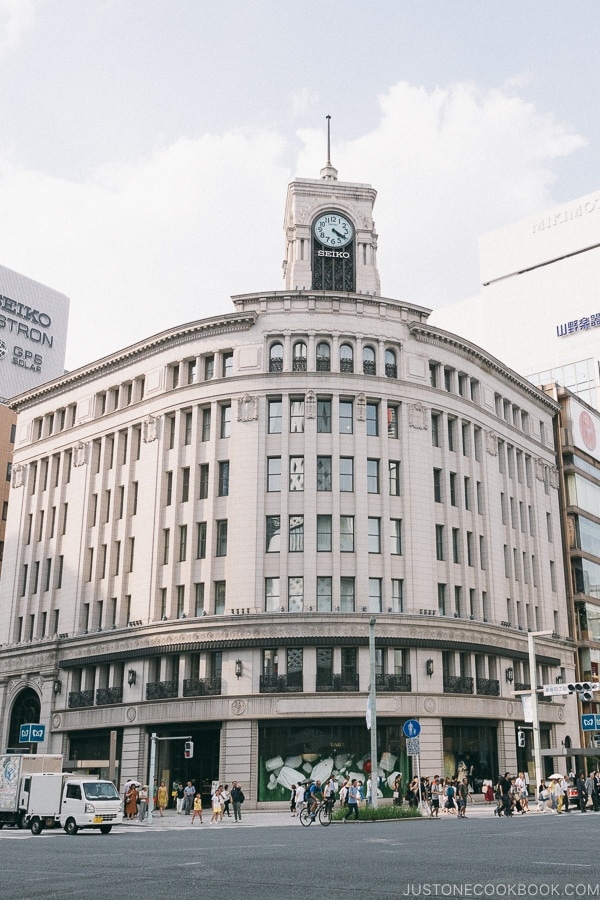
556, 775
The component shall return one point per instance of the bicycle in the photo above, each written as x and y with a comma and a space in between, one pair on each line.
322, 813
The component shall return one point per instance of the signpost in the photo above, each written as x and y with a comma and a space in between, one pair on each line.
32, 734
555, 690
412, 730
590, 722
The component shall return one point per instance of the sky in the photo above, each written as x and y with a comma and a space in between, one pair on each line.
146, 145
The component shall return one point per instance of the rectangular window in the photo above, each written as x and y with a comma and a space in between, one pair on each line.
451, 434
185, 484
182, 543
347, 594
453, 497
467, 493
206, 423
457, 601
552, 575
323, 473
203, 495
435, 429
296, 534
466, 438
296, 482
374, 534
201, 540
372, 476
479, 493
482, 553
199, 598
394, 471
375, 597
439, 541
219, 598
324, 534
65, 512
209, 367
347, 534
323, 593
134, 498
274, 473
346, 473
456, 545
373, 419
47, 575
296, 416
295, 598
131, 552
448, 379
224, 478
437, 485
221, 549
346, 417
169, 488
396, 537
324, 416
393, 415
273, 534
441, 599
275, 416
121, 501
503, 508
549, 527
225, 420
470, 554
24, 579
59, 573
187, 428
227, 360
166, 545
397, 595
434, 377
171, 431
180, 600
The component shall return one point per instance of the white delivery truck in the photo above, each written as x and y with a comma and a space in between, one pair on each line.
70, 802
13, 768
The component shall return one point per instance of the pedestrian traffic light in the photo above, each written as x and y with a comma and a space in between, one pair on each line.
188, 751
520, 738
585, 689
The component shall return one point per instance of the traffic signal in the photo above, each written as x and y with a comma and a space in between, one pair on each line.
585, 689
520, 738
188, 751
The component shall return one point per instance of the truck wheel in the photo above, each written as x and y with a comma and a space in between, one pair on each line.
105, 829
71, 826
36, 825
21, 820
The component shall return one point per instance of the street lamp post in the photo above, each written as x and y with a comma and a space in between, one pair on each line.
373, 712
537, 754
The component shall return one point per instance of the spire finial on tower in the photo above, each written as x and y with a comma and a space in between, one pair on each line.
329, 173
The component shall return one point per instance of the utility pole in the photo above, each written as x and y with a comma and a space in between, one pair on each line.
537, 755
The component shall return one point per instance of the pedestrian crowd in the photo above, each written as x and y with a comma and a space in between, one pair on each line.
187, 800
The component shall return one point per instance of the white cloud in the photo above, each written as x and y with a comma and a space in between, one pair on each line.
16, 17
303, 101
168, 238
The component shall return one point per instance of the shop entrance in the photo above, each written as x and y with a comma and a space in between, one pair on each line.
201, 770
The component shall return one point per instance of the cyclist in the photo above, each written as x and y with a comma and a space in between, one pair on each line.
315, 796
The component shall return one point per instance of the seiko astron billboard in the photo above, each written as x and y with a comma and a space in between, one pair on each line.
33, 333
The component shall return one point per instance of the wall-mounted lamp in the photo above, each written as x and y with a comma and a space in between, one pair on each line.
429, 667
559, 679
509, 675
238, 668
57, 686
131, 677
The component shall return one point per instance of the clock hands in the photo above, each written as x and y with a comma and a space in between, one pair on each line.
335, 231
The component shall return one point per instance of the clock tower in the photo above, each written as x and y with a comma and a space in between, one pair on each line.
331, 243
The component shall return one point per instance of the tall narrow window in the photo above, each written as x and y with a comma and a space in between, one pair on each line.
296, 534
346, 417
221, 549
396, 537
347, 534
296, 416
275, 413
206, 423
224, 478
324, 593
324, 533
373, 419
323, 473
226, 420
324, 416
273, 534
296, 480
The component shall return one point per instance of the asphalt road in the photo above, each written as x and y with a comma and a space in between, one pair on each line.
541, 856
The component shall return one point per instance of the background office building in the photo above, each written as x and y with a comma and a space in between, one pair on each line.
202, 525
539, 308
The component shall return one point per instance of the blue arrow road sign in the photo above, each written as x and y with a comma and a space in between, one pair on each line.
32, 734
411, 728
590, 722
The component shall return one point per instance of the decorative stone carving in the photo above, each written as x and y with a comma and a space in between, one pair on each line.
417, 416
18, 476
429, 704
491, 443
238, 707
510, 708
131, 714
554, 477
150, 429
80, 454
361, 405
247, 408
561, 713
56, 721
540, 469
310, 405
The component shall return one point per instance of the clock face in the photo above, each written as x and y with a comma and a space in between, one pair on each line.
333, 230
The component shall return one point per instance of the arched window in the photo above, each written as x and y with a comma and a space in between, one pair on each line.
26, 710
369, 361
391, 369
299, 357
323, 357
276, 357
346, 358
